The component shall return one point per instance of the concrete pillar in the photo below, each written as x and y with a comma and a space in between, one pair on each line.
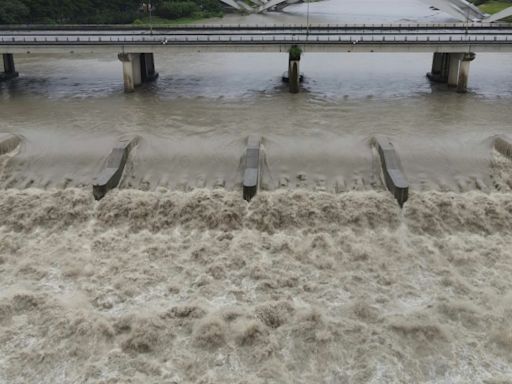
294, 69
131, 70
439, 71
462, 84
437, 63
138, 68
9, 69
453, 70
445, 67
147, 67
294, 76
437, 67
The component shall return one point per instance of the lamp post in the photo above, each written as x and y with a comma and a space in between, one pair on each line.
307, 21
146, 7
150, 8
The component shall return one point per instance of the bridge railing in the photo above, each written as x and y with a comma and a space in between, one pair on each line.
196, 27
254, 39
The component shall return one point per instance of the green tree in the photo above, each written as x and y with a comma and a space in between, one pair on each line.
98, 11
13, 12
177, 9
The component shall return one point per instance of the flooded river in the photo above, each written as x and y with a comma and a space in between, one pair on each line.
165, 281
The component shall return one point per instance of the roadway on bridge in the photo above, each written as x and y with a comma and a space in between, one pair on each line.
266, 34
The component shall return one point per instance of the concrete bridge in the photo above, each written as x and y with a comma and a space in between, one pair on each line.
453, 46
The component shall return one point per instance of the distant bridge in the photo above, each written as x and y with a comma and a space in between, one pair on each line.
457, 44
462, 10
258, 6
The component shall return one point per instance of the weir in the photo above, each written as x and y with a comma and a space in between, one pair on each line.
8, 142
394, 177
138, 68
251, 177
9, 69
110, 176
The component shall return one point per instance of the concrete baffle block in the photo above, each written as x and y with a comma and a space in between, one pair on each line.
110, 176
8, 142
394, 177
503, 145
251, 175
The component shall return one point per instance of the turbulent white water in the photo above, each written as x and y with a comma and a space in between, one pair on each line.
300, 287
295, 287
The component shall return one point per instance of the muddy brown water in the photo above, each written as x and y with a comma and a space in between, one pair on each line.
165, 282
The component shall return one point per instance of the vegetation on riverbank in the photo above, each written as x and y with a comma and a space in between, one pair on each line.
165, 12
494, 6
105, 12
161, 22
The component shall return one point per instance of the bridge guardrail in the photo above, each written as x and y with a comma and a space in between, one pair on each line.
496, 39
156, 27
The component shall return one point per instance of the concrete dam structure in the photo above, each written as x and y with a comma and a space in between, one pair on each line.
252, 165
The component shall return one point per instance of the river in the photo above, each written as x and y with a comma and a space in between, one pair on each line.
165, 281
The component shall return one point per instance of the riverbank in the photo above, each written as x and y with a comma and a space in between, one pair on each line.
198, 18
495, 6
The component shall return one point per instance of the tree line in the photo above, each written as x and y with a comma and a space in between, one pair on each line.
99, 11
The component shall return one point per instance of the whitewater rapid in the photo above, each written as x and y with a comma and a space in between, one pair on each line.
295, 287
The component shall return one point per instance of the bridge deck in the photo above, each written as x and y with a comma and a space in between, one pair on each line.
347, 38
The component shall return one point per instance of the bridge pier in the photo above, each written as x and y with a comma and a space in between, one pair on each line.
451, 68
294, 69
440, 65
462, 85
138, 68
147, 66
9, 68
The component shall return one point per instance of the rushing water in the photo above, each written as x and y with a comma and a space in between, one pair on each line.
161, 282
